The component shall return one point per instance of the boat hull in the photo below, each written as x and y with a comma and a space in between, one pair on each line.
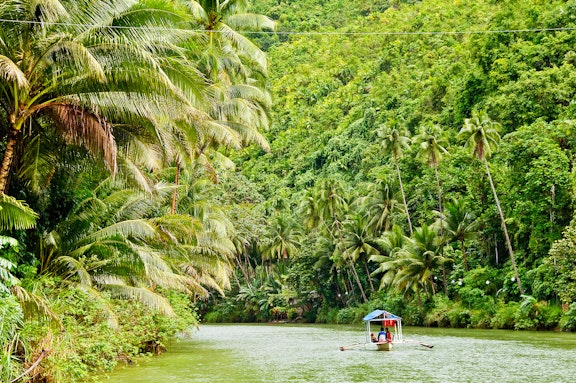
385, 346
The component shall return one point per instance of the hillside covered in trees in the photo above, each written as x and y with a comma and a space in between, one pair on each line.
172, 162
404, 135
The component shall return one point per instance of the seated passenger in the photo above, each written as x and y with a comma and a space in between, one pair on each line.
382, 335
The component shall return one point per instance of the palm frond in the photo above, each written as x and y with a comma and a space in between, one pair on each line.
15, 214
74, 267
142, 295
10, 72
83, 127
33, 305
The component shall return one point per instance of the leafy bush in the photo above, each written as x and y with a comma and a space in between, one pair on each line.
438, 315
568, 321
346, 315
459, 317
505, 315
327, 314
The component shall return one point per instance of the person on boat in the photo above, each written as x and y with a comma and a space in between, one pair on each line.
388, 335
381, 335
373, 338
384, 335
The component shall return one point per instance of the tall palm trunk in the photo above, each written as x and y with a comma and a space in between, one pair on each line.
439, 187
175, 192
403, 195
508, 242
8, 158
372, 290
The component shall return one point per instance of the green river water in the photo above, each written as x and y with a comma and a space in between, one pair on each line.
310, 353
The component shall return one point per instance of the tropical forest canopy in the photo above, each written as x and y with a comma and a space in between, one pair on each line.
169, 161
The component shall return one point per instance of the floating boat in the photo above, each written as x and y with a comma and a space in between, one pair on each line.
383, 319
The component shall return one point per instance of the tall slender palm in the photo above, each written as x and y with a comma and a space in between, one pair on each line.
395, 140
235, 69
331, 208
431, 149
460, 224
482, 138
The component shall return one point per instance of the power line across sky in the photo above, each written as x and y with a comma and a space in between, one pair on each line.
304, 33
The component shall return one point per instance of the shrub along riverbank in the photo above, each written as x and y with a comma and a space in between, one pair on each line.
72, 333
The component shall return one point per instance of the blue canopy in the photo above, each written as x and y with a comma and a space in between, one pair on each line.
380, 314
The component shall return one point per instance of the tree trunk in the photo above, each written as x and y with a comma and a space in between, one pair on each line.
7, 160
364, 297
372, 290
464, 258
403, 197
441, 210
175, 192
504, 228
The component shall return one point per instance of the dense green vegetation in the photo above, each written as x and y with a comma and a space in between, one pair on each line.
421, 161
159, 168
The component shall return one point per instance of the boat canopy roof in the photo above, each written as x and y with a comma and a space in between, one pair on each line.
379, 315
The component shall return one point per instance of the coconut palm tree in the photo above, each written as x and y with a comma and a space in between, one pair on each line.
284, 238
413, 269
380, 205
393, 242
395, 140
332, 205
223, 22
481, 138
431, 149
113, 240
78, 68
359, 243
459, 224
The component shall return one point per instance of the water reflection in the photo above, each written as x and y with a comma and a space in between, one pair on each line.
289, 353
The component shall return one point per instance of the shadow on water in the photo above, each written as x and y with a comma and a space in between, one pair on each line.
310, 353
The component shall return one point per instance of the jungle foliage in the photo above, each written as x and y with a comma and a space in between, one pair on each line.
167, 162
422, 154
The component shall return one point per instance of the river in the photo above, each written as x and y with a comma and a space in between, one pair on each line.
310, 353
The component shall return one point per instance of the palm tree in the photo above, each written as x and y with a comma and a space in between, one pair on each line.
226, 47
393, 242
59, 72
431, 150
380, 206
114, 241
413, 268
482, 138
284, 238
460, 224
235, 69
359, 243
331, 208
395, 140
